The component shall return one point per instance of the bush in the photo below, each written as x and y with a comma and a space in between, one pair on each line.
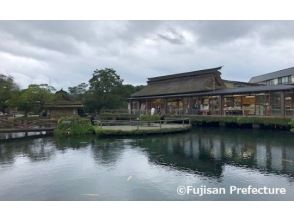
291, 123
116, 116
149, 118
242, 121
73, 126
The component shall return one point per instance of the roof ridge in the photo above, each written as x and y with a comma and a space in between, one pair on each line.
266, 74
183, 74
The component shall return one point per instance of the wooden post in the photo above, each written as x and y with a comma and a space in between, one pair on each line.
220, 103
165, 106
255, 103
283, 103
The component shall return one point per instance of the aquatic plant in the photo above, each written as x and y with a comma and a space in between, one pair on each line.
291, 123
73, 126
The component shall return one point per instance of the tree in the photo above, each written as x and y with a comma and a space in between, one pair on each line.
104, 92
125, 92
34, 98
77, 92
8, 88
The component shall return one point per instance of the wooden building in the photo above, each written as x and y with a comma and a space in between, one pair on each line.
204, 92
63, 108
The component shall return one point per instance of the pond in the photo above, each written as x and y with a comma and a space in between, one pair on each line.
151, 167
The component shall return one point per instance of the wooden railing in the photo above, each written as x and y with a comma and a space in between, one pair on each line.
28, 123
140, 123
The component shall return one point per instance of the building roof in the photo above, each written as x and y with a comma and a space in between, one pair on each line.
272, 75
64, 104
239, 83
186, 74
196, 81
228, 91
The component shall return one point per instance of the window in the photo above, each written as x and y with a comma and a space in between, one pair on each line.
275, 102
285, 80
292, 78
274, 81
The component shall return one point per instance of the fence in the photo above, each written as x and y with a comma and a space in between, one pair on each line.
143, 124
10, 123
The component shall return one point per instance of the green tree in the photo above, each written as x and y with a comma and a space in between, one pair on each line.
34, 98
77, 92
104, 92
8, 89
125, 92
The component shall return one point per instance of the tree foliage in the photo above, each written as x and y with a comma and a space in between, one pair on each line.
8, 89
78, 92
34, 98
105, 90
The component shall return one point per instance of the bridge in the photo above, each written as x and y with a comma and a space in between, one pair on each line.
26, 125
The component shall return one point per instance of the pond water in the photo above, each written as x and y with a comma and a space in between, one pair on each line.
149, 168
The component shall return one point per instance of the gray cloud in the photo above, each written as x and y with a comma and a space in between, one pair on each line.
65, 53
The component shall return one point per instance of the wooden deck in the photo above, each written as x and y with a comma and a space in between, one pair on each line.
144, 128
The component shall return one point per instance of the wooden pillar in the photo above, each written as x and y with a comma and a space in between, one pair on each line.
220, 103
283, 103
165, 106
270, 104
254, 104
189, 104
131, 103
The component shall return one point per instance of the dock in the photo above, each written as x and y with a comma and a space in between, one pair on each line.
115, 128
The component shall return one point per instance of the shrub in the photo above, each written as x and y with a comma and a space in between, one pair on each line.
149, 118
239, 120
291, 123
73, 126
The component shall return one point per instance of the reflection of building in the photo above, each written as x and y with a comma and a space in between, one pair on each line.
207, 153
204, 92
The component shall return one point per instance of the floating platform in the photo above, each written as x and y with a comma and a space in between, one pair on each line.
123, 130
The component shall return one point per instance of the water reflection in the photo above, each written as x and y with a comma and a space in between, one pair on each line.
107, 151
145, 168
34, 149
207, 151
201, 151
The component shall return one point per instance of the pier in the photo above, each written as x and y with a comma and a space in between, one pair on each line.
137, 127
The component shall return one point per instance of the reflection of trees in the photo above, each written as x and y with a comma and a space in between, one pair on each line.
206, 150
63, 143
107, 151
182, 152
34, 149
202, 151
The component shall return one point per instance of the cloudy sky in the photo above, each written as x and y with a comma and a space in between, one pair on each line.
65, 53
